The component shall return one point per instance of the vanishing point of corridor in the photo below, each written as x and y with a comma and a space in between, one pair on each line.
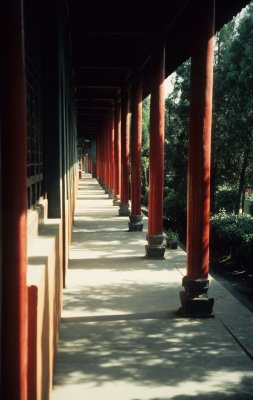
120, 338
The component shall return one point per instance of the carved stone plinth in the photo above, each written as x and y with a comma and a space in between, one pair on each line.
194, 300
124, 209
116, 200
155, 248
135, 224
111, 193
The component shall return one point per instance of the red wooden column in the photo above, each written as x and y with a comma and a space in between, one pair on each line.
98, 158
106, 164
103, 159
89, 163
109, 155
125, 134
117, 155
194, 299
14, 207
155, 248
135, 218
108, 133
111, 160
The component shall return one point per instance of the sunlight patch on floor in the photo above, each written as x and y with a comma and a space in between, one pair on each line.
221, 382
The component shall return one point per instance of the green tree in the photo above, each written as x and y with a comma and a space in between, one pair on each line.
145, 149
233, 105
176, 144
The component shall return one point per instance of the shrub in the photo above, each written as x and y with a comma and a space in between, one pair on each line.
171, 239
144, 196
170, 204
225, 198
232, 235
175, 211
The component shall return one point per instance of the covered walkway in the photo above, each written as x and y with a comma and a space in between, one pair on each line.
74, 77
120, 337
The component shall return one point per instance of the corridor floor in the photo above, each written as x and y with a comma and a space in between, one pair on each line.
119, 337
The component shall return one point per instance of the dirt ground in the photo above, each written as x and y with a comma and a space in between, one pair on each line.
238, 281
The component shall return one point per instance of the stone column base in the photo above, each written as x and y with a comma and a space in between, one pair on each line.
194, 300
135, 224
111, 193
124, 209
116, 200
155, 248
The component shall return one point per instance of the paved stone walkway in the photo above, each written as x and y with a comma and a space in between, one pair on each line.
119, 338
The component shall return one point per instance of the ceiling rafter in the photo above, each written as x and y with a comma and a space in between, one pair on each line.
109, 45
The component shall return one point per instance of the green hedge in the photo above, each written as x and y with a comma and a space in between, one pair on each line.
225, 198
175, 210
232, 235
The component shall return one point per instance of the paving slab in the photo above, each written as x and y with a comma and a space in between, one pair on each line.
120, 338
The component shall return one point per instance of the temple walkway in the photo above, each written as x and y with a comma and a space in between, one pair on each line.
119, 337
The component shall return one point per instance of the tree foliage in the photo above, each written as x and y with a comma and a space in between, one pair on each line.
176, 143
145, 150
233, 107
232, 131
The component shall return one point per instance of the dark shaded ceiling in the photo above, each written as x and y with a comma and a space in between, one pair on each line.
111, 39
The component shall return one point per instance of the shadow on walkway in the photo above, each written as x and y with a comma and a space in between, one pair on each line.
120, 338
